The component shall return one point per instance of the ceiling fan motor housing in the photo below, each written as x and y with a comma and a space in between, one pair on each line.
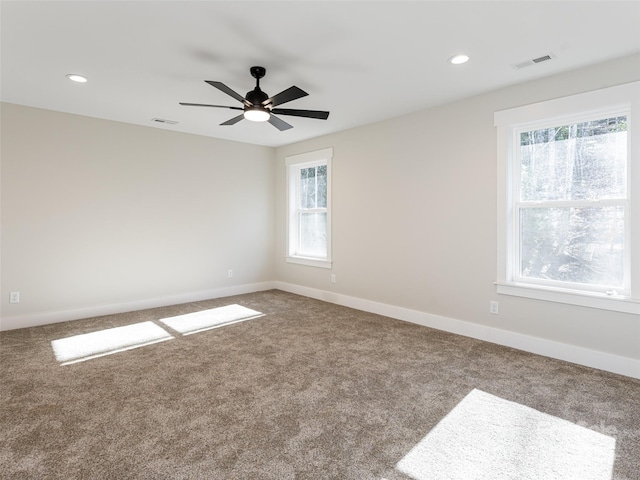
256, 96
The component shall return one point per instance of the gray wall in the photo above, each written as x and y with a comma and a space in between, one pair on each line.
98, 213
414, 217
102, 213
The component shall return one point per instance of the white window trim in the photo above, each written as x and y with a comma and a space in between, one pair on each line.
599, 102
292, 164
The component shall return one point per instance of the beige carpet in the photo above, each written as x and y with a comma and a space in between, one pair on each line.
307, 390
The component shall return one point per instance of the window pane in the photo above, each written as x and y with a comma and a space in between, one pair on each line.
583, 161
322, 186
580, 245
313, 234
308, 187
313, 187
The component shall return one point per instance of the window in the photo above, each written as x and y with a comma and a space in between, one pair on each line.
309, 208
568, 200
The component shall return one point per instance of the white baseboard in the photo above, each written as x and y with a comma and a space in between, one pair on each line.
38, 319
549, 348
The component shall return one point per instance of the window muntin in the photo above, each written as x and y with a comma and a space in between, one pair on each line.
309, 208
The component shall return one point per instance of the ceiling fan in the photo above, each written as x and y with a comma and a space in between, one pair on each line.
259, 107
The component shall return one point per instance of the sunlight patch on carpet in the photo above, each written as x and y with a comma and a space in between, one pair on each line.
487, 437
106, 342
208, 319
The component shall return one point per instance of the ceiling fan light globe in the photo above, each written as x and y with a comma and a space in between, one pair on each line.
257, 115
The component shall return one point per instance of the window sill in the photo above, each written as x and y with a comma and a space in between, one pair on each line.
309, 261
616, 303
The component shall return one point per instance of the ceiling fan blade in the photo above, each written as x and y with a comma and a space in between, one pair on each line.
207, 105
223, 88
279, 124
291, 93
321, 115
234, 120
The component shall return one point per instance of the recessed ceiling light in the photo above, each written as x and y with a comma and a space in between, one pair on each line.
76, 78
458, 59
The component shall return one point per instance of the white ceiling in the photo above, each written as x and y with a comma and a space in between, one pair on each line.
364, 61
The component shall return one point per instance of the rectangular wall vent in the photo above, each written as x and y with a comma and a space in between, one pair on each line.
541, 59
162, 120
534, 61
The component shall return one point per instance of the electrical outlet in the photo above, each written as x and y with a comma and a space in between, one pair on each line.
229, 273
14, 297
493, 307
333, 278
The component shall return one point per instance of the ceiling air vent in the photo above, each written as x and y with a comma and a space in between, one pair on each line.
533, 61
162, 120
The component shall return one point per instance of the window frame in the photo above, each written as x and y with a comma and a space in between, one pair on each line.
294, 164
603, 103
